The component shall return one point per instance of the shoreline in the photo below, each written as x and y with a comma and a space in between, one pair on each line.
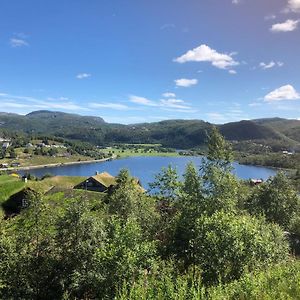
27, 168
53, 165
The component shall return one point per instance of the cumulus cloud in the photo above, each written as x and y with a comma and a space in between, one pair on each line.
183, 82
83, 75
286, 92
293, 6
169, 95
287, 26
232, 72
270, 65
204, 53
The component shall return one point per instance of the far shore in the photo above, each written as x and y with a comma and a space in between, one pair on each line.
58, 164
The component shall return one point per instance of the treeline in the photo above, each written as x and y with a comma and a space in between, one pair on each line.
276, 160
208, 236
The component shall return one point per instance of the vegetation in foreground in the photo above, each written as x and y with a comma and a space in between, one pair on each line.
209, 236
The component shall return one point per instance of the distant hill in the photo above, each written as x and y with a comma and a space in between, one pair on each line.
41, 122
248, 130
289, 128
172, 133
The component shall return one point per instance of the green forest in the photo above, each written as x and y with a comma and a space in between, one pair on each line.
207, 235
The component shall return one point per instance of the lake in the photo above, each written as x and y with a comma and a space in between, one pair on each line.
145, 168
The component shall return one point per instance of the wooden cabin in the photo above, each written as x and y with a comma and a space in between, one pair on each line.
98, 183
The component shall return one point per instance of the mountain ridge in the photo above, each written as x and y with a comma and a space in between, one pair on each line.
171, 133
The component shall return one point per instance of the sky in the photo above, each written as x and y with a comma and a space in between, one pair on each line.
144, 61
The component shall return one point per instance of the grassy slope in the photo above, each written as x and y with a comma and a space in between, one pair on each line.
139, 152
35, 160
9, 185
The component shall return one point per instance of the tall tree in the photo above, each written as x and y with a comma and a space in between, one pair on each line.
276, 199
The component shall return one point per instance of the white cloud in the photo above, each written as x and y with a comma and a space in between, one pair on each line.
116, 106
83, 75
255, 104
270, 17
171, 104
293, 6
183, 82
174, 103
204, 53
17, 42
232, 72
288, 25
167, 26
15, 102
270, 65
169, 95
141, 100
236, 1
286, 92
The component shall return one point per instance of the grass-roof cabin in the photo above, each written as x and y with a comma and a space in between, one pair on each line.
98, 183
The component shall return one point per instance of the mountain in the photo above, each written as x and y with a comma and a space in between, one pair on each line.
248, 130
171, 133
41, 122
289, 128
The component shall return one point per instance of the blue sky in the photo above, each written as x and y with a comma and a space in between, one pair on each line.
142, 61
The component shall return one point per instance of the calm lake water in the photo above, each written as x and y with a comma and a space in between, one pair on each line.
145, 168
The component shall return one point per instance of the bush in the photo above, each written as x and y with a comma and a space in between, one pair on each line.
227, 245
277, 282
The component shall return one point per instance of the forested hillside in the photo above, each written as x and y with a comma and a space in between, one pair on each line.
172, 133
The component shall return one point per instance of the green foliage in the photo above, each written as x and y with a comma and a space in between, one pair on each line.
79, 236
220, 185
164, 282
27, 246
226, 246
276, 199
190, 239
127, 199
127, 253
276, 282
219, 150
166, 185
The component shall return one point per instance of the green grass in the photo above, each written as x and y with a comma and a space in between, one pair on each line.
35, 160
9, 185
58, 182
137, 152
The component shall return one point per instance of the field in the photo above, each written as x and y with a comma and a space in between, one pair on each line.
26, 160
128, 150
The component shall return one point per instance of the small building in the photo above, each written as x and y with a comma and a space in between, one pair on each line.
18, 201
256, 181
5, 145
15, 164
98, 183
